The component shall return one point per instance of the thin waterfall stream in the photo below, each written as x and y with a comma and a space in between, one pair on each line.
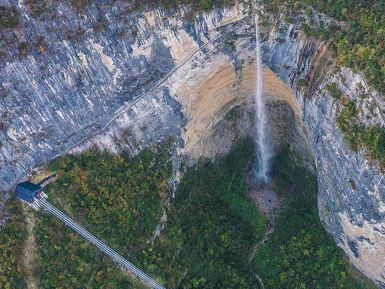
262, 142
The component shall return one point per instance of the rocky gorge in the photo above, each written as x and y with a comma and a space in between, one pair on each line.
122, 80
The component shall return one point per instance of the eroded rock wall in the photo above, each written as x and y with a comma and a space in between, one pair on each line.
99, 77
121, 80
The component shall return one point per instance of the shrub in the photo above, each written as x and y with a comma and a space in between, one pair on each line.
301, 82
23, 47
40, 44
8, 17
334, 91
374, 139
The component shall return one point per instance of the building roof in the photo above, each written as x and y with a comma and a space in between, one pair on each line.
26, 191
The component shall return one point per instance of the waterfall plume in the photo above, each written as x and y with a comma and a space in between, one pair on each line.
263, 151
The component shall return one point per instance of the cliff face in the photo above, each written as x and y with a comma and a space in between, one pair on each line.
119, 79
351, 189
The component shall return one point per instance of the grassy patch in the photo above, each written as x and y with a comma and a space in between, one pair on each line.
300, 254
12, 236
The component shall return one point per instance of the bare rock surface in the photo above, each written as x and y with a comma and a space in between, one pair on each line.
265, 198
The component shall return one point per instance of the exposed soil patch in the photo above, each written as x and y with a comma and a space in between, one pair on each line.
265, 198
29, 249
264, 195
269, 202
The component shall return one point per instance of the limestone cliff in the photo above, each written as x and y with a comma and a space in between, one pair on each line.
351, 188
121, 79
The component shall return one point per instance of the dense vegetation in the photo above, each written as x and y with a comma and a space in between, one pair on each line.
300, 254
118, 198
210, 231
212, 228
12, 235
65, 260
360, 43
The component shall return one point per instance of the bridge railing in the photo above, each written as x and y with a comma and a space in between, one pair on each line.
143, 277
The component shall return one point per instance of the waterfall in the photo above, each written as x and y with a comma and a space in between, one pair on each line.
261, 139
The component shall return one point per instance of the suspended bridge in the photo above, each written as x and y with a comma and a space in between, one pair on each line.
35, 197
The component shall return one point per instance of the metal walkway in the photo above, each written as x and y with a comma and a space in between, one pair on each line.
144, 278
